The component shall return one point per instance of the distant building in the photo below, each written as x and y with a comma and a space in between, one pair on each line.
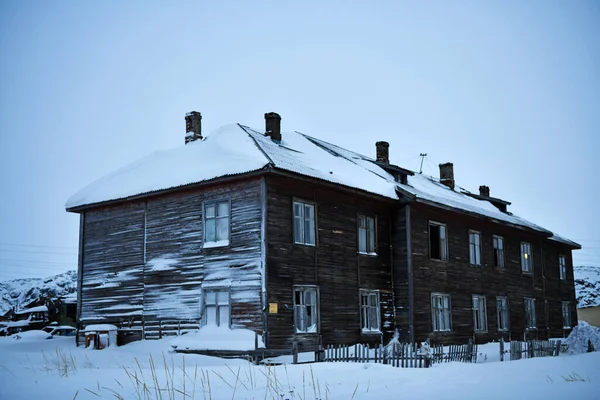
302, 240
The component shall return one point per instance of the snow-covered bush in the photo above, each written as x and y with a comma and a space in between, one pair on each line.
581, 335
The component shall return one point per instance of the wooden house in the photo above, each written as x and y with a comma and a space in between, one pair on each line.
304, 241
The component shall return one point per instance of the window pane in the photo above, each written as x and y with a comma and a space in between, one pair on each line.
371, 224
299, 318
223, 209
223, 298
210, 211
309, 232
298, 230
223, 228
298, 210
362, 222
224, 315
309, 211
211, 315
362, 240
209, 230
434, 241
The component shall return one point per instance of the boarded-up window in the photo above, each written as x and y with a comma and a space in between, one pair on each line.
369, 310
366, 234
475, 248
304, 223
438, 244
305, 309
498, 243
216, 308
440, 312
502, 312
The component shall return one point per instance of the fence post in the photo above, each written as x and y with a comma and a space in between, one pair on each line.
557, 351
295, 352
530, 349
501, 349
159, 329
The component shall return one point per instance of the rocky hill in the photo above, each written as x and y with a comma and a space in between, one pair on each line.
587, 286
19, 292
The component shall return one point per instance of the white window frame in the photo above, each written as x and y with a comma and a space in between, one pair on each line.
530, 315
368, 245
566, 314
479, 307
301, 220
441, 312
562, 267
307, 314
502, 313
475, 248
498, 245
217, 240
442, 242
526, 258
222, 299
369, 311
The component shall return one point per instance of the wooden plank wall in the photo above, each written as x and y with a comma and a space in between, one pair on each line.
333, 264
461, 280
401, 276
161, 278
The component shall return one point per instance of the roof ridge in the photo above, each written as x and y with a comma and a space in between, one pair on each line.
243, 127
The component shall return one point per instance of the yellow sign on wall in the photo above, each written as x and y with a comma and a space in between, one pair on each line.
272, 308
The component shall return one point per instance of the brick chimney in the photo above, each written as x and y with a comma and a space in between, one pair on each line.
193, 126
382, 152
447, 174
484, 191
273, 126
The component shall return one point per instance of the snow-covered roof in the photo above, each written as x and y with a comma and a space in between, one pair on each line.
32, 309
564, 240
236, 149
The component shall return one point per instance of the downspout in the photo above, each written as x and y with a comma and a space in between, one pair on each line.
410, 274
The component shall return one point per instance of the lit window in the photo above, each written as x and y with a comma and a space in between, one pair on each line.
369, 310
305, 309
438, 245
216, 222
366, 234
440, 312
566, 313
526, 258
475, 248
530, 320
216, 308
479, 313
502, 311
562, 265
304, 223
498, 242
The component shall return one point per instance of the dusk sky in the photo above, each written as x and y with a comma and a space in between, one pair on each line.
507, 91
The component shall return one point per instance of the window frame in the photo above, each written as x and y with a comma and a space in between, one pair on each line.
303, 204
303, 289
526, 258
530, 314
479, 313
369, 308
216, 243
506, 326
499, 259
566, 314
442, 241
562, 267
368, 235
435, 323
475, 248
217, 305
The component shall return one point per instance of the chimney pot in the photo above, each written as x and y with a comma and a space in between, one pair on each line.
484, 190
273, 126
382, 152
193, 126
447, 174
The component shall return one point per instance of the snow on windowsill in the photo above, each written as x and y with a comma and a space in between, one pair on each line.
219, 243
371, 332
362, 253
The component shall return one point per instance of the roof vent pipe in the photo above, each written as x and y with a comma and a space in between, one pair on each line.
273, 126
193, 126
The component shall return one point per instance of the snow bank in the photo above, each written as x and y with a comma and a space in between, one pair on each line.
217, 338
31, 335
578, 339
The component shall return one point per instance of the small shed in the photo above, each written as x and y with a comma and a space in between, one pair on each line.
100, 336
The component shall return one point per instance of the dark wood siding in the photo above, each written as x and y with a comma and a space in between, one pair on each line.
333, 264
401, 259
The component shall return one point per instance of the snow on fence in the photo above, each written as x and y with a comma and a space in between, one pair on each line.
401, 355
530, 349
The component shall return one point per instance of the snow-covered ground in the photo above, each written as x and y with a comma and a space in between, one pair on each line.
587, 286
37, 368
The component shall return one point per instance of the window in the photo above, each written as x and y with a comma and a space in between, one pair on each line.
366, 234
498, 242
216, 223
526, 258
475, 248
566, 313
304, 223
305, 309
369, 310
502, 311
530, 322
440, 312
479, 313
438, 245
562, 265
216, 308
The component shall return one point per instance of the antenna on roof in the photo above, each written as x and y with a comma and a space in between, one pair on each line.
422, 155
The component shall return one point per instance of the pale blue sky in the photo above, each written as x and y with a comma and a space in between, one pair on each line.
507, 91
